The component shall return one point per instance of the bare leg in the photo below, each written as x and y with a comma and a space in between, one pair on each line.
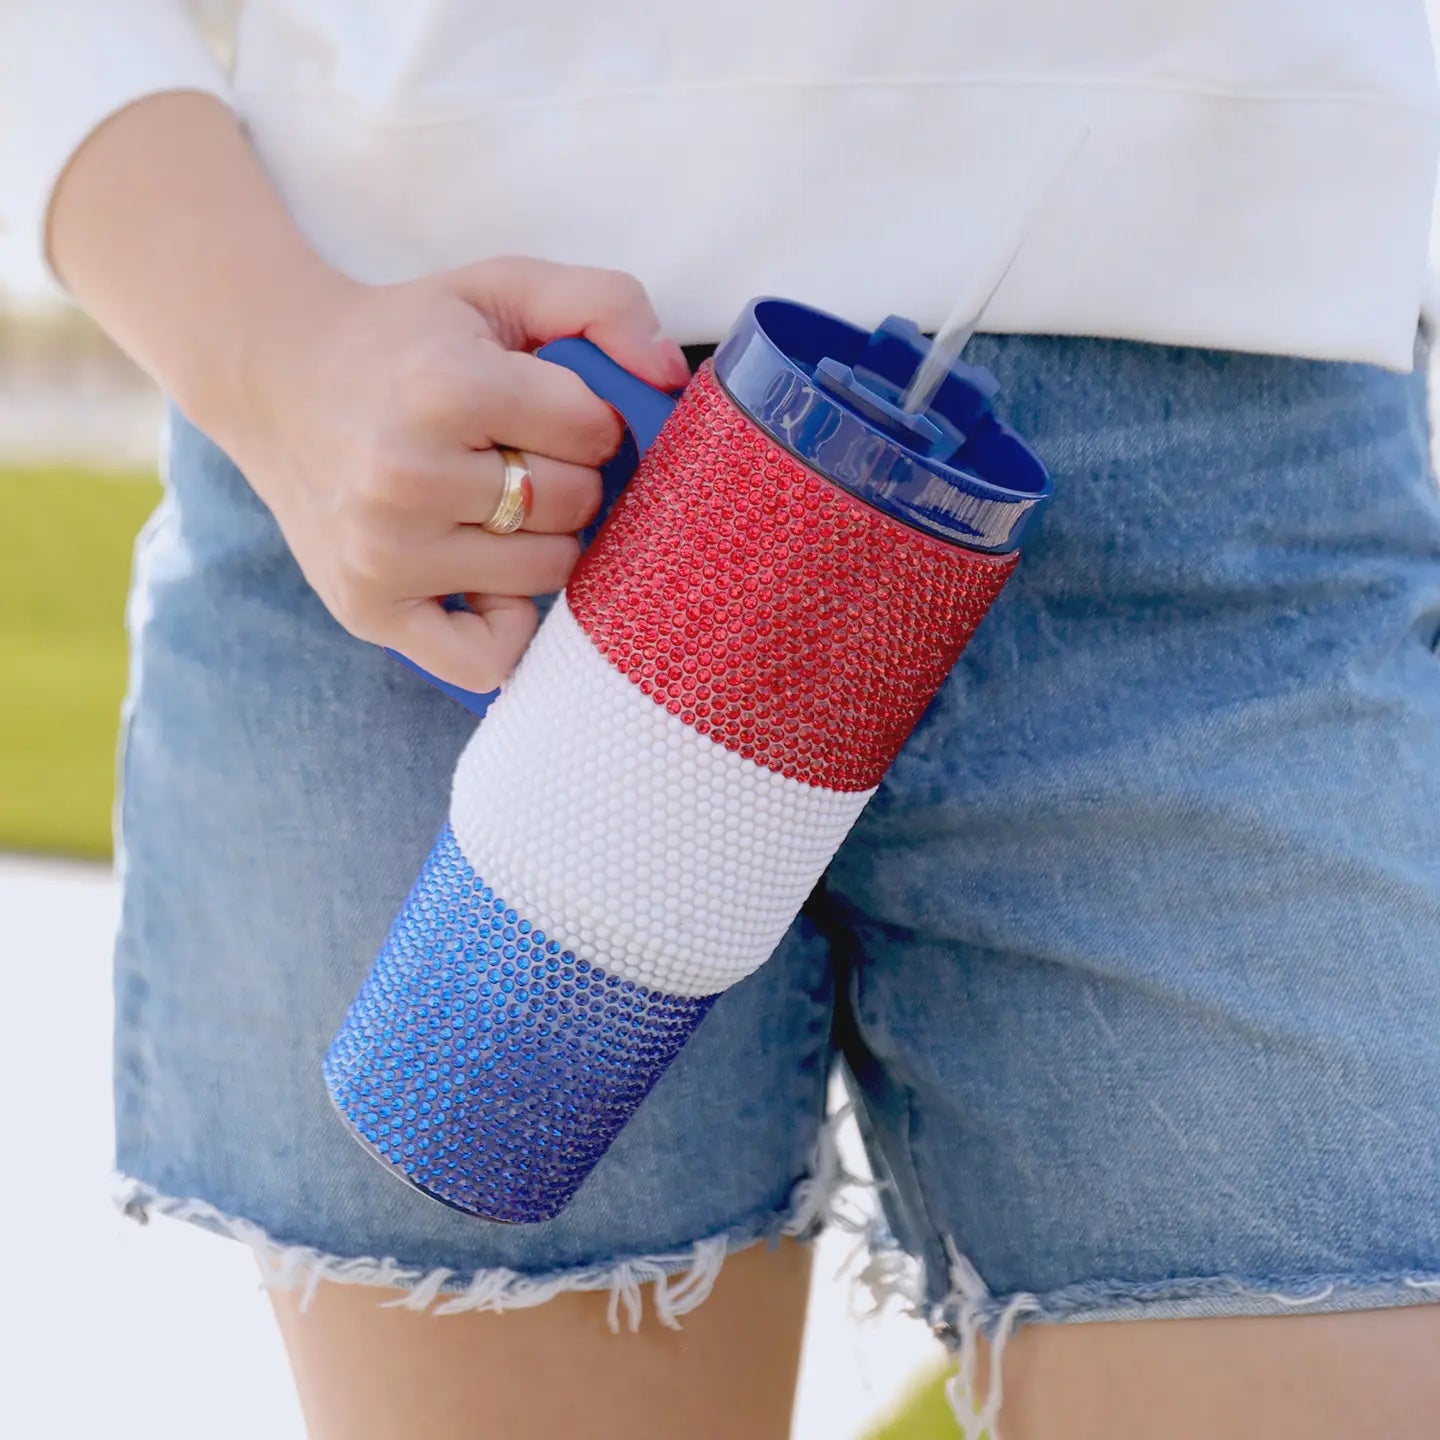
1366, 1375
367, 1373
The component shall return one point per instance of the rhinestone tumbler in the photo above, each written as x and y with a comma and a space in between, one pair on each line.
774, 600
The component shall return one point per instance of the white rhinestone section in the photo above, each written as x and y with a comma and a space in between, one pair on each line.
648, 849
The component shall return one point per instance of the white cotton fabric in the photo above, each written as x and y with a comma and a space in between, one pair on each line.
1259, 173
648, 849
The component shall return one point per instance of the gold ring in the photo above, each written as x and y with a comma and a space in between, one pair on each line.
517, 494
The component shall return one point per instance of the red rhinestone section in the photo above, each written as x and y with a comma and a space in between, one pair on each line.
771, 610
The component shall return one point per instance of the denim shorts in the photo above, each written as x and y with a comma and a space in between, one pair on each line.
1132, 965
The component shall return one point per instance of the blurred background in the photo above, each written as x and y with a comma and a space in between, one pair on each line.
164, 1332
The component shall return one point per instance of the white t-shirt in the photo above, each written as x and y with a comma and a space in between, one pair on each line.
1258, 175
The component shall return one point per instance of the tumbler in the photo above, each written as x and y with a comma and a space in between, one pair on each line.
776, 596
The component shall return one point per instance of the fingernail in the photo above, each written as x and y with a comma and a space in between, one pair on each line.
672, 357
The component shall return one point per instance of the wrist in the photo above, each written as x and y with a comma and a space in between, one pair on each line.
264, 348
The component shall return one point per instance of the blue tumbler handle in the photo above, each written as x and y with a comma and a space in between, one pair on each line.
642, 407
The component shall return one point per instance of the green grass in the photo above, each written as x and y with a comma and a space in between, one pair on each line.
65, 542
925, 1415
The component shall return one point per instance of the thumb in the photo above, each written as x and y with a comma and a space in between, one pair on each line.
531, 302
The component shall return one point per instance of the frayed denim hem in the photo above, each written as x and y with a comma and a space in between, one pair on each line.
1194, 1299
679, 1281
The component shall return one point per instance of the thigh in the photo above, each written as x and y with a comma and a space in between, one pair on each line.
1370, 1375
370, 1373
1145, 921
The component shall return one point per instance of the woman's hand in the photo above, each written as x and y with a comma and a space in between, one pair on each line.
367, 425
364, 416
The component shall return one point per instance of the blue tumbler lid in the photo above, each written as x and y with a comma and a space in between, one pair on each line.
829, 392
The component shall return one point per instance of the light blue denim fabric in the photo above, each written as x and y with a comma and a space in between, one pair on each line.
1134, 959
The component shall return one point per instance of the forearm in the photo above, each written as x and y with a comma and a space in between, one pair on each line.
166, 229
366, 417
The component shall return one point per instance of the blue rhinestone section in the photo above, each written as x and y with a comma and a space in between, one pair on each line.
485, 1064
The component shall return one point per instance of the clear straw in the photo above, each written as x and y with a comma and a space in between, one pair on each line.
964, 320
